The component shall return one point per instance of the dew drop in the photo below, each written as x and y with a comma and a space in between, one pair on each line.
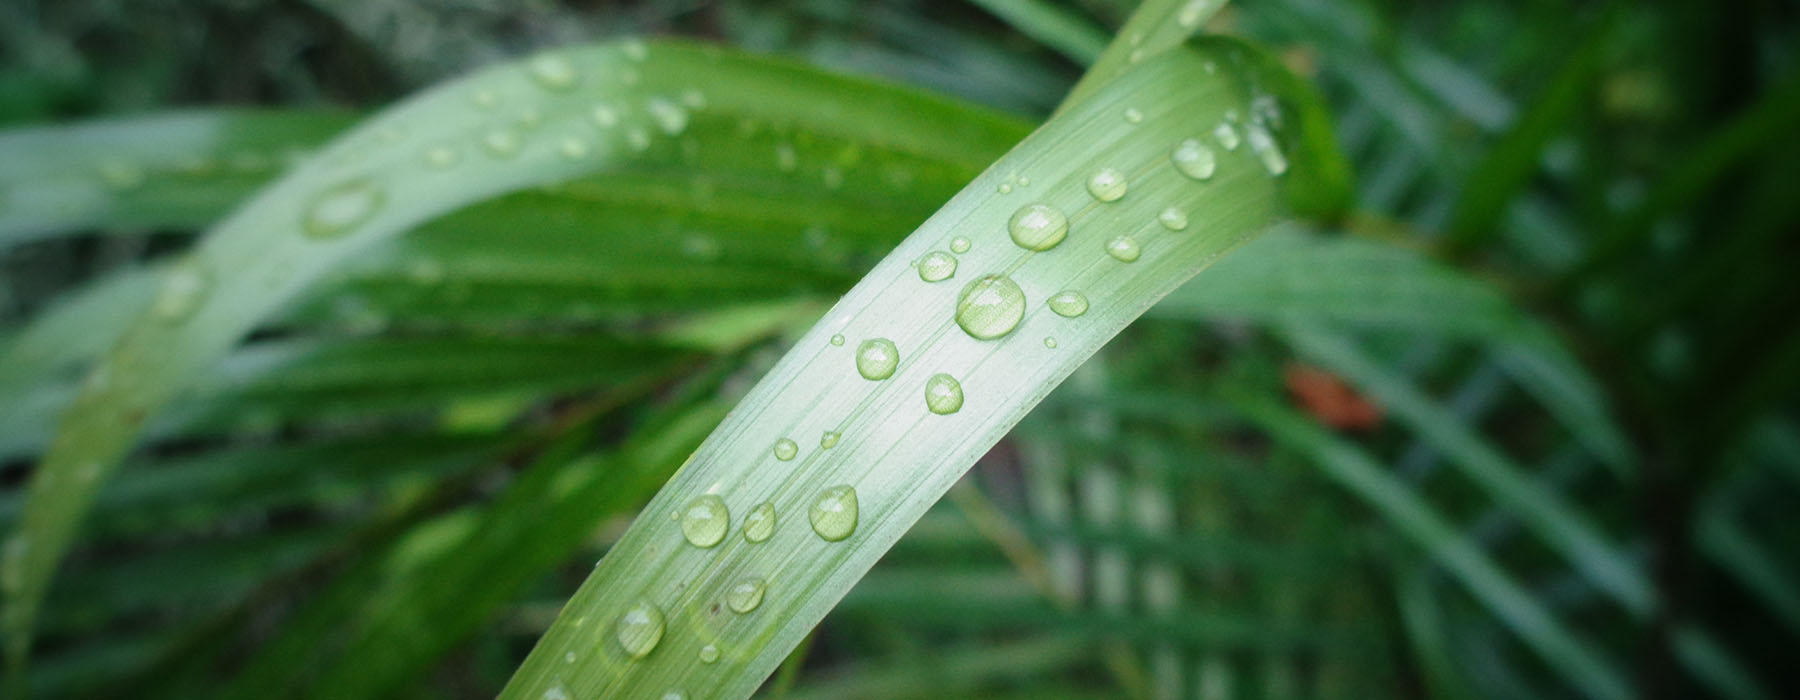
441, 157
1049, 342
1024, 182
674, 695
1264, 146
833, 514
670, 117
829, 439
574, 148
1068, 303
760, 523
1226, 135
1133, 116
837, 339
1107, 185
937, 266
709, 654
1173, 219
876, 359
637, 139
569, 657
960, 245
1194, 159
943, 394
555, 692
554, 72
121, 174
1124, 249
500, 142
1004, 188
640, 628
1038, 227
705, 520
340, 208
635, 49
604, 116
747, 593
990, 307
181, 291
785, 449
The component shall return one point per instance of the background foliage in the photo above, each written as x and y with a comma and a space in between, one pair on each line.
1521, 424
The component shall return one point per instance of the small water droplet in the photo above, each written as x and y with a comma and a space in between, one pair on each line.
670, 117
554, 72
1264, 146
709, 654
829, 439
837, 339
1173, 219
943, 394
340, 208
569, 657
121, 174
604, 116
1068, 303
1107, 185
990, 307
181, 291
640, 628
760, 523
704, 521
1124, 248
500, 142
1194, 159
1004, 188
833, 514
556, 692
574, 148
674, 695
1133, 116
960, 245
876, 359
1038, 227
1049, 342
637, 138
785, 449
442, 157
1226, 135
746, 594
1024, 182
937, 266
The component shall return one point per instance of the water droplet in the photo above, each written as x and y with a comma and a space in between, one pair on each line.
674, 695
1107, 185
746, 594
1173, 219
1049, 342
1004, 188
635, 49
604, 116
960, 245
1024, 182
1190, 14
785, 449
1133, 116
760, 523
705, 520
1226, 136
569, 657
837, 339
1068, 303
181, 291
1123, 249
829, 439
574, 148
554, 72
637, 138
709, 654
121, 174
640, 628
1194, 159
1264, 146
670, 117
943, 394
833, 515
937, 266
990, 307
876, 359
556, 692
340, 208
1038, 227
442, 157
500, 142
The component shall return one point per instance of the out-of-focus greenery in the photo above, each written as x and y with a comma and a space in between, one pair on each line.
1520, 424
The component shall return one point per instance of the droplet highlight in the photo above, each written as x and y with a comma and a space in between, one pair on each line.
1068, 303
833, 514
960, 245
759, 525
181, 291
943, 394
746, 594
1107, 185
837, 339
709, 654
553, 72
1194, 159
829, 439
937, 266
1262, 143
338, 210
639, 629
1124, 249
1173, 219
876, 359
990, 307
785, 449
1038, 227
705, 520
1226, 135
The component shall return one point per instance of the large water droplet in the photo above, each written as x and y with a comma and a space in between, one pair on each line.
500, 142
554, 72
1068, 303
937, 266
760, 523
785, 449
1194, 159
705, 521
1038, 226
181, 291
960, 245
876, 359
833, 515
640, 628
746, 594
341, 208
829, 439
1124, 249
709, 654
990, 307
1107, 185
1226, 135
670, 117
943, 394
1173, 219
1264, 146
